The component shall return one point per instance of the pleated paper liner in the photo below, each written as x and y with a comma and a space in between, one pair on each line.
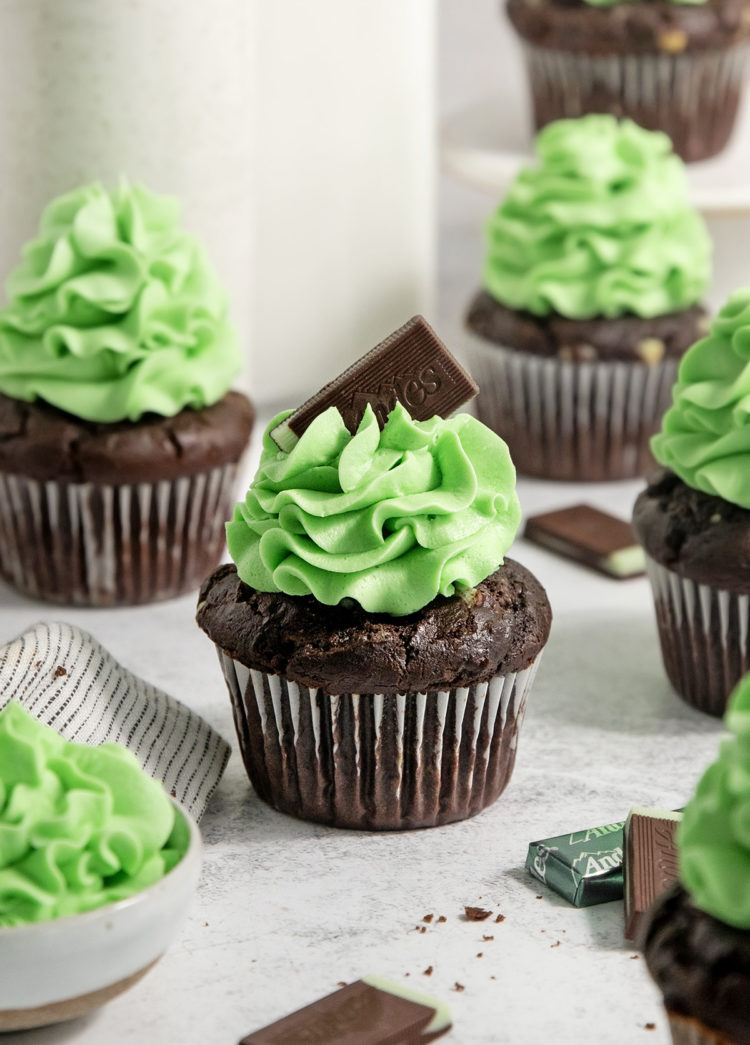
573, 421
376, 762
91, 544
693, 96
704, 634
690, 1032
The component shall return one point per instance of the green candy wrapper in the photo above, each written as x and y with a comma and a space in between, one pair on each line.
584, 866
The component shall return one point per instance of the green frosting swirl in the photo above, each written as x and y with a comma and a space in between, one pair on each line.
705, 436
80, 826
388, 518
600, 227
714, 835
115, 311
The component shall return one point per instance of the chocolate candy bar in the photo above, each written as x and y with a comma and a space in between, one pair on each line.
370, 1011
590, 536
411, 366
584, 866
650, 862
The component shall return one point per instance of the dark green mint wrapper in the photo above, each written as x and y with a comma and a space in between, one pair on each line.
585, 867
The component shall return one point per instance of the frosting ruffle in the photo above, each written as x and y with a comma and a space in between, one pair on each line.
714, 835
601, 226
388, 518
115, 311
80, 826
705, 436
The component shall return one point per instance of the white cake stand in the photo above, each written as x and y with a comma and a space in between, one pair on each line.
486, 144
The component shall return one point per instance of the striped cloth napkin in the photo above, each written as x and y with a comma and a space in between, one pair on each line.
63, 677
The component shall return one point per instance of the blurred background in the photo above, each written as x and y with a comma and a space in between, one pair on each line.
338, 158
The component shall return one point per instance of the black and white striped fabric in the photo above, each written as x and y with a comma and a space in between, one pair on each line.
67, 680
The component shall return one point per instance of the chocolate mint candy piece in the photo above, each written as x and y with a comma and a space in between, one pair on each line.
585, 866
411, 366
650, 862
590, 536
370, 1011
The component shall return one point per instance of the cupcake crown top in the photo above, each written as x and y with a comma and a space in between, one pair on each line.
115, 311
705, 434
80, 826
713, 837
600, 226
390, 518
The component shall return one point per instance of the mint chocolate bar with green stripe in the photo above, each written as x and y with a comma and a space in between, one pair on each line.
589, 536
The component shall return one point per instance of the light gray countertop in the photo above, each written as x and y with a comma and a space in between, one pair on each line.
286, 910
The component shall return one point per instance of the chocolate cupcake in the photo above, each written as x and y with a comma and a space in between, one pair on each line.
694, 519
595, 267
697, 940
671, 66
377, 649
119, 440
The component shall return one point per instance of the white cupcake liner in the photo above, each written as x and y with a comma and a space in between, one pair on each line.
364, 760
704, 634
93, 544
569, 420
687, 95
690, 1032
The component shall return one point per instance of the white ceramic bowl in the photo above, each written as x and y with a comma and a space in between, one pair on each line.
57, 970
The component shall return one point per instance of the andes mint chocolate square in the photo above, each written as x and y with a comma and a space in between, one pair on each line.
411, 366
585, 867
590, 536
370, 1011
650, 863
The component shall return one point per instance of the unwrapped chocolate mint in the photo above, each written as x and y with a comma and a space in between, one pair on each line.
411, 366
650, 862
589, 536
583, 866
369, 1011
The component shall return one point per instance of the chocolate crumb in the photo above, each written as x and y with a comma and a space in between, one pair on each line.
500, 918
428, 918
649, 1026
341, 983
442, 918
476, 914
488, 937
480, 955
422, 928
60, 671
458, 987
173, 793
634, 957
407, 974
38, 665
493, 977
539, 897
555, 944
428, 971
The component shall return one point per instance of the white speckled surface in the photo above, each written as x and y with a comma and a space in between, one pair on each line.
286, 909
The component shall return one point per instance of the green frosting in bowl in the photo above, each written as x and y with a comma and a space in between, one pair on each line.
389, 518
714, 836
705, 435
601, 226
115, 311
80, 826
